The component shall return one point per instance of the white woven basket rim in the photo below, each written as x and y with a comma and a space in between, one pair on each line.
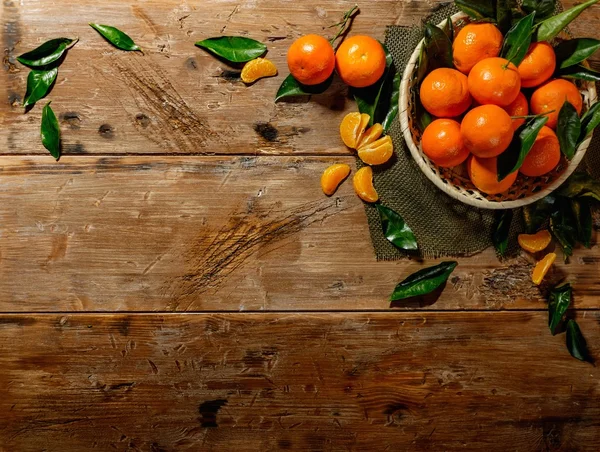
473, 197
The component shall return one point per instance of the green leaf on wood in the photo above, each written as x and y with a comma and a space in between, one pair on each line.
589, 121
291, 87
502, 224
583, 221
542, 8
512, 159
424, 281
536, 215
517, 40
116, 37
48, 53
38, 85
50, 131
568, 129
560, 299
573, 51
438, 48
549, 28
562, 227
395, 229
576, 343
478, 9
236, 49
580, 72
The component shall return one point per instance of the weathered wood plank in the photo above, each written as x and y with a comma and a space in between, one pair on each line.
404, 381
177, 99
219, 233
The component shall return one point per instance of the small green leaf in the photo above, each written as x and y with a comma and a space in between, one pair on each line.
504, 9
438, 48
395, 229
589, 121
574, 51
562, 226
568, 129
551, 27
292, 87
38, 85
537, 214
512, 159
576, 343
234, 48
422, 66
517, 40
580, 185
48, 53
448, 28
542, 8
584, 222
116, 37
478, 9
423, 117
501, 230
424, 281
394, 103
50, 131
560, 299
580, 72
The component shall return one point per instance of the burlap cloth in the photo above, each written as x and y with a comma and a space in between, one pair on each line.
442, 225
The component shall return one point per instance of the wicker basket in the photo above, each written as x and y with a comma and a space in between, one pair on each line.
455, 181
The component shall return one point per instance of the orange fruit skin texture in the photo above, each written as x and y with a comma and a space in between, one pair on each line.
445, 93
487, 131
551, 96
518, 107
543, 156
360, 61
491, 83
538, 65
484, 175
311, 59
535, 243
442, 142
542, 267
363, 184
333, 176
473, 43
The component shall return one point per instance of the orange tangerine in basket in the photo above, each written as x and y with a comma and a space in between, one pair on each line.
518, 107
445, 93
363, 184
494, 81
487, 131
473, 43
551, 96
333, 176
258, 68
544, 154
538, 65
535, 243
542, 267
442, 142
484, 175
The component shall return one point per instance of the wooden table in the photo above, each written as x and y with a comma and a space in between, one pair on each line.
178, 281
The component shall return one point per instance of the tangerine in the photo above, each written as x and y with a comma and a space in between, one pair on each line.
377, 152
333, 176
534, 243
258, 68
487, 131
360, 61
544, 154
370, 135
475, 42
494, 81
353, 127
363, 184
311, 59
538, 65
551, 96
542, 267
442, 142
484, 175
518, 107
445, 93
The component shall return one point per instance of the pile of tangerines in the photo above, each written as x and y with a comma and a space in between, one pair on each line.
480, 104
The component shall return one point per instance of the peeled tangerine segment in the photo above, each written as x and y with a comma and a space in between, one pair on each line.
333, 176
353, 127
258, 68
363, 184
378, 152
542, 267
534, 243
371, 135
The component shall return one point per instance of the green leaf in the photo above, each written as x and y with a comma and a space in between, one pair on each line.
537, 214
583, 220
542, 8
580, 72
552, 26
580, 185
504, 9
424, 281
50, 131
422, 66
423, 117
589, 121
576, 343
438, 48
395, 229
394, 103
116, 37
501, 230
234, 48
560, 299
573, 51
292, 87
512, 159
448, 28
38, 85
477, 9
517, 40
568, 129
562, 226
48, 53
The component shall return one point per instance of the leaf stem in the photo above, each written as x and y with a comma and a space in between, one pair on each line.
348, 16
533, 116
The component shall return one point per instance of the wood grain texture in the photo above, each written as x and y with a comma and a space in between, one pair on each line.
178, 99
429, 381
220, 233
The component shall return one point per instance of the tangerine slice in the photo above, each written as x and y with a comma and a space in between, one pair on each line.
535, 242
542, 267
378, 152
371, 135
363, 184
353, 127
333, 176
258, 68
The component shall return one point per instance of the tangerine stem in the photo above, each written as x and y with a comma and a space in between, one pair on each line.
533, 116
348, 15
